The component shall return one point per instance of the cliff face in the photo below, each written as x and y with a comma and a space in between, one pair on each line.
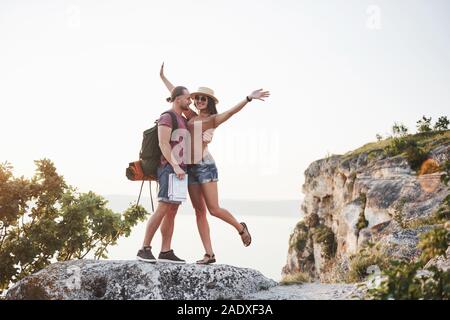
353, 200
135, 280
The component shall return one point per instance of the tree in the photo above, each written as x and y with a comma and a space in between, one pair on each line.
424, 124
43, 220
399, 130
441, 124
379, 137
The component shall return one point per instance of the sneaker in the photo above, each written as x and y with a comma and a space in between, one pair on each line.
145, 254
170, 257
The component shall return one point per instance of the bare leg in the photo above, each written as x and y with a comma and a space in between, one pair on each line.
167, 227
154, 222
198, 202
212, 202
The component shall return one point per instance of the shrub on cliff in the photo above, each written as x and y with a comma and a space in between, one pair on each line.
434, 243
441, 124
42, 219
445, 167
325, 236
424, 124
299, 237
407, 280
362, 264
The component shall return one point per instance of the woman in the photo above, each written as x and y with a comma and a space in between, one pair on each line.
202, 173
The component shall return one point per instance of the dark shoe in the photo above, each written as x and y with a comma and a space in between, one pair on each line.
207, 259
245, 235
169, 257
145, 254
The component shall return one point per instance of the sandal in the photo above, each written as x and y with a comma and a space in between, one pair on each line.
245, 235
207, 259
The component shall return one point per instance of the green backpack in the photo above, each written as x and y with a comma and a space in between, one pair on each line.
145, 169
150, 154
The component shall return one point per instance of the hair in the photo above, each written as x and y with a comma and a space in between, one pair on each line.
176, 92
212, 109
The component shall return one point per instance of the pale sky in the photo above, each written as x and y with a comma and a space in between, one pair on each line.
79, 82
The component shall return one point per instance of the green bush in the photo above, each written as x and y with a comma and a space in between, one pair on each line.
362, 222
410, 148
299, 237
402, 281
407, 280
445, 167
325, 236
442, 124
369, 255
434, 243
399, 130
43, 220
415, 155
424, 124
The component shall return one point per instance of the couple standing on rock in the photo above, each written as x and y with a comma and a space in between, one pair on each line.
199, 165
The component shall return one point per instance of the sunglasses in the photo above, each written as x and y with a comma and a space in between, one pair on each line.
201, 98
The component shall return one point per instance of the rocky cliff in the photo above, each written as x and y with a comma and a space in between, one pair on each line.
135, 280
365, 199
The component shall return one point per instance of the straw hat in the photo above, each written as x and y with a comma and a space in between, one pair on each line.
206, 92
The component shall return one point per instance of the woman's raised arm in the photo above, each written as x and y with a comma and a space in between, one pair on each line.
168, 84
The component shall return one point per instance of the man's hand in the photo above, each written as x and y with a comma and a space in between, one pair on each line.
208, 135
179, 172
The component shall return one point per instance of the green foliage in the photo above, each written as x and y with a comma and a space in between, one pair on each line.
407, 280
424, 124
312, 220
325, 236
434, 243
415, 155
441, 124
42, 219
410, 148
398, 213
445, 167
362, 222
426, 141
402, 281
379, 137
399, 130
300, 236
369, 255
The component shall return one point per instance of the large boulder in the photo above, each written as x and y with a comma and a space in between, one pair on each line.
135, 280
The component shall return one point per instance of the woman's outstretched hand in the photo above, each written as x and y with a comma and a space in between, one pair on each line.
259, 94
161, 72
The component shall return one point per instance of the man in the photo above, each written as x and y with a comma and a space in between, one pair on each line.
175, 148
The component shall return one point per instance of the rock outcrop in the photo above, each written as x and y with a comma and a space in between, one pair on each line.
134, 280
367, 197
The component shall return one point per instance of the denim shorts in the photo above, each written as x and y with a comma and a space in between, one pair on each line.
163, 181
203, 172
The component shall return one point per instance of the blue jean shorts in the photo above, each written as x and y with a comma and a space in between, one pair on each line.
163, 181
203, 172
